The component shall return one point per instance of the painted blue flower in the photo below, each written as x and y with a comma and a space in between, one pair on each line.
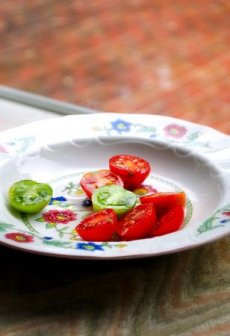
223, 221
90, 246
56, 200
47, 238
121, 126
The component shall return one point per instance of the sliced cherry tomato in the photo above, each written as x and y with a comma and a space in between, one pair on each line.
114, 197
92, 180
98, 226
29, 196
137, 223
170, 221
144, 189
132, 169
163, 201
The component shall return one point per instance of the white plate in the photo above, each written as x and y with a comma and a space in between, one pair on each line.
182, 155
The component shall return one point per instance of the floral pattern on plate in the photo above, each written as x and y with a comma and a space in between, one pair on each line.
54, 227
219, 219
55, 224
176, 132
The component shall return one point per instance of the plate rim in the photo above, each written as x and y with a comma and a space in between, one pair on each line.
7, 134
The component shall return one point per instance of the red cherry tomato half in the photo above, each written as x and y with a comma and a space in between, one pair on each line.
93, 180
163, 201
137, 223
98, 226
170, 221
132, 169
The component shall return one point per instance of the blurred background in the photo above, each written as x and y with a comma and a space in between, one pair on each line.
137, 56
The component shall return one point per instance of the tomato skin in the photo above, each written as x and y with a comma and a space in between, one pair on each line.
137, 223
93, 180
29, 196
170, 221
98, 226
132, 169
163, 201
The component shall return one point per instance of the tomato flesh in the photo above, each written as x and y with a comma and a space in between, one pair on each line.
98, 226
29, 196
170, 221
144, 189
132, 169
113, 197
163, 201
137, 223
93, 180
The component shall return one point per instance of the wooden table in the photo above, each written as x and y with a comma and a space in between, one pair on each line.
183, 294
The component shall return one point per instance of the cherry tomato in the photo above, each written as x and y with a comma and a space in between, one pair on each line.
144, 189
29, 196
132, 169
163, 201
170, 221
137, 223
114, 197
91, 181
98, 226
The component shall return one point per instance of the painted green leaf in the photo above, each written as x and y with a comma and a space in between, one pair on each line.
207, 224
226, 208
143, 128
57, 243
5, 226
63, 229
70, 187
214, 221
40, 219
120, 245
61, 234
56, 202
50, 225
193, 136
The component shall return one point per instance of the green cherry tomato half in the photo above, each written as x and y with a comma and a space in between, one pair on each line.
29, 196
113, 197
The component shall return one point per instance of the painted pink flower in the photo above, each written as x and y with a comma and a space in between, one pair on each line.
175, 131
19, 237
226, 213
2, 149
59, 216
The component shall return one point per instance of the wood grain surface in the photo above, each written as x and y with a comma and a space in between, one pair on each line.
183, 294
